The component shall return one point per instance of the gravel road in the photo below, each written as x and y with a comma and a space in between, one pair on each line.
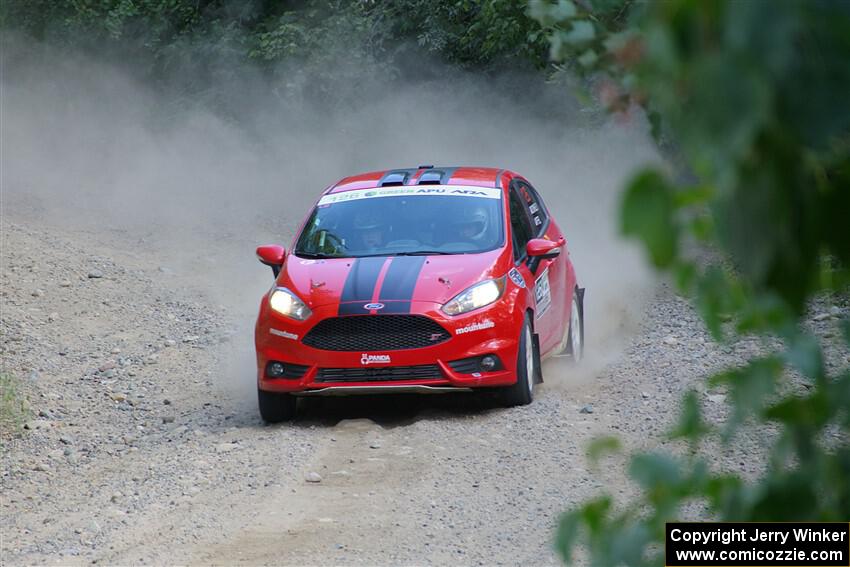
144, 445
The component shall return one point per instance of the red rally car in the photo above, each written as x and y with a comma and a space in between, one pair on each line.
432, 279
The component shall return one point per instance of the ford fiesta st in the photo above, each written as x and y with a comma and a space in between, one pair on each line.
433, 279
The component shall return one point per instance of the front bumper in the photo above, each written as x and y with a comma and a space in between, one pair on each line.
279, 339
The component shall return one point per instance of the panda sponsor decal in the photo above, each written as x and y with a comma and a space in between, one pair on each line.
366, 358
542, 294
516, 277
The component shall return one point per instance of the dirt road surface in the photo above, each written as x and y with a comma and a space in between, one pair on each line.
145, 446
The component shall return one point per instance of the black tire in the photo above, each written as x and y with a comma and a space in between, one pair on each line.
276, 407
578, 304
521, 393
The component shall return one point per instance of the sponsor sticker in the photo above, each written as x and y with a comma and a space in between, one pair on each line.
542, 293
516, 277
533, 208
374, 359
411, 191
284, 334
373, 306
472, 327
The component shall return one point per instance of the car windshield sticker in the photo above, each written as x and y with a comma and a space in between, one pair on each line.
485, 324
542, 293
516, 277
411, 191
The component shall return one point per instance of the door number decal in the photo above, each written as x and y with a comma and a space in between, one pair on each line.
542, 294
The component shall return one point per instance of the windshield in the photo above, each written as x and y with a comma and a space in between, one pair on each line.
404, 220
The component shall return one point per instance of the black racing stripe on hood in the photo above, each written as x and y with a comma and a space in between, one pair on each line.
401, 278
361, 280
395, 307
353, 308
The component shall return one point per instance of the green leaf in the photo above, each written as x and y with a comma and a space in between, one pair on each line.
685, 273
568, 532
601, 446
717, 296
804, 353
726, 495
647, 213
807, 413
652, 470
690, 425
694, 195
749, 388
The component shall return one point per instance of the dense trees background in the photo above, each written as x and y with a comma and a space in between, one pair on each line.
305, 47
751, 97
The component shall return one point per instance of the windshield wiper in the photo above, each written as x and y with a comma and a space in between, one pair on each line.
426, 253
313, 256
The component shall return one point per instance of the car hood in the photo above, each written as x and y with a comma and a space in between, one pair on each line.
389, 280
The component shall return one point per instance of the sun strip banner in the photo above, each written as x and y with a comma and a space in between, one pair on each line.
411, 191
757, 544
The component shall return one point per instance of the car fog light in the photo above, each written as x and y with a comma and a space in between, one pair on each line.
489, 363
275, 369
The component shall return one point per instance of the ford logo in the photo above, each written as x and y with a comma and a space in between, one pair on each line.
375, 306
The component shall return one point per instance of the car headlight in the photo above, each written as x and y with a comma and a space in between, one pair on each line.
475, 297
287, 303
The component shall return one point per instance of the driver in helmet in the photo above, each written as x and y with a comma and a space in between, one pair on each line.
470, 223
370, 229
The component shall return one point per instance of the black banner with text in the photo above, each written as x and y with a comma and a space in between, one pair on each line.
758, 544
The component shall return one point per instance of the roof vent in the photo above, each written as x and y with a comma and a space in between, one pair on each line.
394, 178
432, 177
425, 167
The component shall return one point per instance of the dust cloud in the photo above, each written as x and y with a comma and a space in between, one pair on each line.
87, 147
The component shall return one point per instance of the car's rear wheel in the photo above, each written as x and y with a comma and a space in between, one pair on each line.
572, 343
576, 340
276, 407
522, 392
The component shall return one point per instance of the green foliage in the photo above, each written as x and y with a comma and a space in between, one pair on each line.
755, 96
304, 47
648, 214
13, 406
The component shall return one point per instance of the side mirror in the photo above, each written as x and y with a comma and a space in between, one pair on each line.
272, 255
543, 249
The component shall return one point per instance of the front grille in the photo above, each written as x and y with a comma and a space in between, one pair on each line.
376, 333
379, 374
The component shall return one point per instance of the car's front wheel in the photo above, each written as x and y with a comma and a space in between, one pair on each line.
276, 407
522, 392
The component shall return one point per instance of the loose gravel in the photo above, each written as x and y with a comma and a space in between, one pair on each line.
137, 451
